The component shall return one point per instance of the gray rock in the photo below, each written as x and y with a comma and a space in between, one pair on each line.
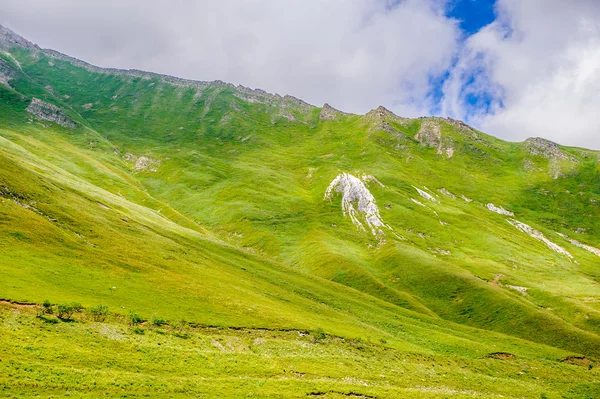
49, 112
9, 40
537, 146
328, 113
7, 73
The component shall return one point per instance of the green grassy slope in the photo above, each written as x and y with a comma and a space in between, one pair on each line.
226, 225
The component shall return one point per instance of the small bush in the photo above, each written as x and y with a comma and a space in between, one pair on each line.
320, 335
99, 312
66, 310
158, 321
135, 319
47, 307
383, 340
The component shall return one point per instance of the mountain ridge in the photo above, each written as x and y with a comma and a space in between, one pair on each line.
9, 37
222, 231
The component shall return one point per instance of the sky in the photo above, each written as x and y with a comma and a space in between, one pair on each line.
512, 68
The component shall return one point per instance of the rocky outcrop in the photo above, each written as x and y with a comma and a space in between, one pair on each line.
9, 40
49, 112
142, 163
7, 73
430, 135
540, 147
328, 113
557, 167
588, 248
426, 195
380, 119
447, 193
539, 236
357, 202
499, 210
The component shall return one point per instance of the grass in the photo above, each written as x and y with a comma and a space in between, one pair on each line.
211, 270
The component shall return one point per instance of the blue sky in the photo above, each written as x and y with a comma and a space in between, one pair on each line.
473, 14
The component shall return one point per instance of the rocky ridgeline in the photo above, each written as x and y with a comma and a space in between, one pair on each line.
247, 94
9, 40
537, 146
380, 118
49, 112
328, 113
7, 73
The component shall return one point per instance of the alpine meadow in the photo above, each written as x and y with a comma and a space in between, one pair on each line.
161, 237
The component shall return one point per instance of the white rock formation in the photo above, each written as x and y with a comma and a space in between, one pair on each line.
426, 195
447, 193
539, 236
522, 290
588, 248
418, 202
357, 201
499, 209
142, 163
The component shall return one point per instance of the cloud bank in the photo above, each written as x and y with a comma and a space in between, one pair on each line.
534, 71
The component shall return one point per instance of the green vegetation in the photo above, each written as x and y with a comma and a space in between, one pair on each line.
182, 232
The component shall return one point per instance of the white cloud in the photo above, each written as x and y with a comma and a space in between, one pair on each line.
354, 54
540, 60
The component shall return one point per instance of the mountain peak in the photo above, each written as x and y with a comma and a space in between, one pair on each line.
538, 146
381, 112
9, 39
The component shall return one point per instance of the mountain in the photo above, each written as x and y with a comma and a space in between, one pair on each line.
247, 244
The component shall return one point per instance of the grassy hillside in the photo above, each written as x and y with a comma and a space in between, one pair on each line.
203, 205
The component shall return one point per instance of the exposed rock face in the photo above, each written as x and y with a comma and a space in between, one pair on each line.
380, 118
499, 209
426, 195
588, 248
9, 39
447, 193
522, 290
537, 146
539, 236
7, 73
328, 113
143, 163
357, 202
430, 135
49, 112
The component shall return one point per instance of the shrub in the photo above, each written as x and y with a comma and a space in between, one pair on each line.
99, 312
66, 310
320, 335
158, 321
47, 307
135, 319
